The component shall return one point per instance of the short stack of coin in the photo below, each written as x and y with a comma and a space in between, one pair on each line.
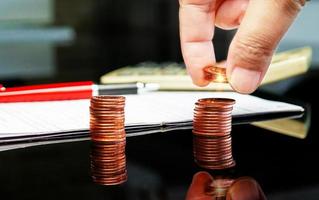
211, 133
108, 161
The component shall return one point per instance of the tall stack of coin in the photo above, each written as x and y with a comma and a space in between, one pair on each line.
108, 161
211, 133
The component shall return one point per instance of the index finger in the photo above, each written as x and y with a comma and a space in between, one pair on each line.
197, 19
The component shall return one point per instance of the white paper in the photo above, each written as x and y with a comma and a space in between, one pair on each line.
32, 118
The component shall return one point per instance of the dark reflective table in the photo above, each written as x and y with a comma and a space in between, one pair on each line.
161, 166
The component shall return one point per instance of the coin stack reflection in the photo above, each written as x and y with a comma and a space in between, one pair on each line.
211, 133
108, 161
218, 188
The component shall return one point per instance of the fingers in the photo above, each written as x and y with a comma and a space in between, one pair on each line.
199, 184
263, 25
196, 32
230, 13
245, 189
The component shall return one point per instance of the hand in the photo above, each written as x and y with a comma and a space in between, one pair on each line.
244, 188
261, 24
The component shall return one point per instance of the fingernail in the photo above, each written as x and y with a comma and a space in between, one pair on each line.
244, 80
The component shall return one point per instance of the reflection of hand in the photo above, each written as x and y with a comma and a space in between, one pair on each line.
244, 188
261, 24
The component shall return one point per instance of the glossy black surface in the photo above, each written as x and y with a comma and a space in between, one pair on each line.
160, 166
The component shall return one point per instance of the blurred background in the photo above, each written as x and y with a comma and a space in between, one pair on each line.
56, 40
44, 40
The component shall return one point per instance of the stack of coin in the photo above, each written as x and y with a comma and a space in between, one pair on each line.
218, 188
211, 133
215, 74
108, 161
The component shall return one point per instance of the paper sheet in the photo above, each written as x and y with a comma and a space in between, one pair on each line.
36, 118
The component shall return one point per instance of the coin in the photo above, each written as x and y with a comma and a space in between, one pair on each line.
110, 181
215, 74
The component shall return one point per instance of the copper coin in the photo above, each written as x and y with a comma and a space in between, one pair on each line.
108, 164
102, 139
107, 170
107, 152
112, 145
97, 153
115, 179
108, 98
217, 100
108, 145
198, 126
111, 162
118, 157
208, 140
108, 174
111, 167
107, 129
212, 133
215, 74
108, 159
213, 112
107, 108
110, 181
216, 164
208, 148
109, 116
104, 153
212, 108
110, 132
225, 154
207, 130
213, 158
101, 120
98, 156
214, 137
102, 132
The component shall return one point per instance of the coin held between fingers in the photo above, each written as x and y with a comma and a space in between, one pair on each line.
215, 74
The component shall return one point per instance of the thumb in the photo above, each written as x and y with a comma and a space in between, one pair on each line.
262, 27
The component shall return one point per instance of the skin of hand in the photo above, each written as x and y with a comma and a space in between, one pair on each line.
261, 24
244, 188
